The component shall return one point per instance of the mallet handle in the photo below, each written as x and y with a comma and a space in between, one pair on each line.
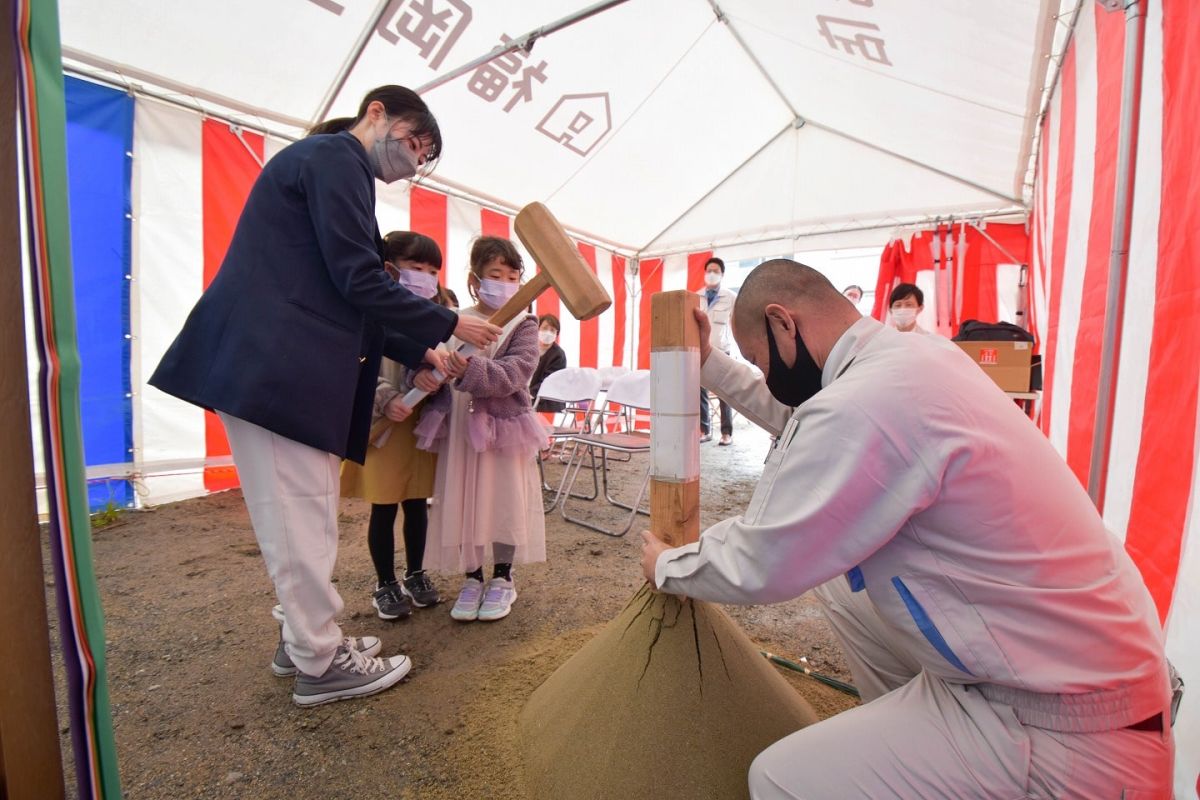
502, 316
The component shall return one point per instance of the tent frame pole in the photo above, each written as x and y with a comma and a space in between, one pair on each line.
694, 247
723, 18
127, 75
1033, 98
1050, 89
523, 42
360, 45
1118, 262
794, 124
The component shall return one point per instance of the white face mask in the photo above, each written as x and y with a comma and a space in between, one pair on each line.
712, 279
392, 159
494, 294
422, 284
903, 317
547, 337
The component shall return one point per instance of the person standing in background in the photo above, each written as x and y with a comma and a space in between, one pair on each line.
717, 302
905, 304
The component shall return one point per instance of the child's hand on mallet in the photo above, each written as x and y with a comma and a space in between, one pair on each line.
426, 381
395, 410
456, 364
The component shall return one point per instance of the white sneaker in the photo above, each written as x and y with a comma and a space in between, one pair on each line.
498, 601
466, 607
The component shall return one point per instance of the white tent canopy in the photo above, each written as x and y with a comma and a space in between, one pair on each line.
651, 126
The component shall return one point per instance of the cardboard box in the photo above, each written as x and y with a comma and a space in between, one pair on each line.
1007, 363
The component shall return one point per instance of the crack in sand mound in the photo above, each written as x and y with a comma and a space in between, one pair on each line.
634, 714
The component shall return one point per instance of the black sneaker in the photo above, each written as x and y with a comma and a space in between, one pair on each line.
390, 602
418, 589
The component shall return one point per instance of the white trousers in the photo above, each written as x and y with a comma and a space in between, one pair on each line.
291, 491
917, 736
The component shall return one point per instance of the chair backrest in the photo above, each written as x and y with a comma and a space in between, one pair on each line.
570, 385
610, 374
632, 389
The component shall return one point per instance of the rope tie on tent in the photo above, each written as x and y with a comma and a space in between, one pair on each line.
239, 132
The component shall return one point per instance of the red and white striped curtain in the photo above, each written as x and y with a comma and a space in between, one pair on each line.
965, 272
1153, 484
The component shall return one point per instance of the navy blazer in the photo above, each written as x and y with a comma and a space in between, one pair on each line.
290, 333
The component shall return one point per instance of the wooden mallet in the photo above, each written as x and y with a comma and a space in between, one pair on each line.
562, 268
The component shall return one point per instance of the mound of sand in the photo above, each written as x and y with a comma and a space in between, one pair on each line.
671, 701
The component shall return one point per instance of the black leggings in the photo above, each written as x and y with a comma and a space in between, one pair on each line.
381, 537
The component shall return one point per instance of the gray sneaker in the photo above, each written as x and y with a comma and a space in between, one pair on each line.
420, 590
351, 675
283, 667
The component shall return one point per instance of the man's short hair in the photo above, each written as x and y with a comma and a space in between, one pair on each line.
905, 290
553, 320
782, 281
717, 261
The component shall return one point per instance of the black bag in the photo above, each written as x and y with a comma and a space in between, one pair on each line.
972, 330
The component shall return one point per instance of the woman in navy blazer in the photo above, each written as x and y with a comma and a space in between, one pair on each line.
285, 345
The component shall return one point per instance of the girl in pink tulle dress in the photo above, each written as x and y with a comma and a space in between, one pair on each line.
487, 493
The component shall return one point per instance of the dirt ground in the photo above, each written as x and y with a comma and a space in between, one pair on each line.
198, 713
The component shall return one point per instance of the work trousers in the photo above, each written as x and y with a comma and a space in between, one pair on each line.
918, 736
706, 413
291, 491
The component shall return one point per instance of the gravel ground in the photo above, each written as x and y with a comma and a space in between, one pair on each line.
198, 713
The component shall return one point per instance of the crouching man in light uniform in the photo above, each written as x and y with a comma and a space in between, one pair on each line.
1004, 642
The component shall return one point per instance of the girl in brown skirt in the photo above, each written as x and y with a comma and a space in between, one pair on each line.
396, 474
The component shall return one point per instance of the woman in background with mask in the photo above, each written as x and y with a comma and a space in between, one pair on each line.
906, 303
553, 359
482, 426
396, 473
285, 346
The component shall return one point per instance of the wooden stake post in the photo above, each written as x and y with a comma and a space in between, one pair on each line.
675, 418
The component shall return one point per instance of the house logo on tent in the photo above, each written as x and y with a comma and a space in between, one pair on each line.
578, 121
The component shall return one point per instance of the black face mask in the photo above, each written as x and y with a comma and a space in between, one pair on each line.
795, 384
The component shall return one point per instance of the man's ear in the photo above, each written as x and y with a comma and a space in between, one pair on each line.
779, 317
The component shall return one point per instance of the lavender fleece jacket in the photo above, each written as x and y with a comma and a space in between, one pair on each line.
501, 409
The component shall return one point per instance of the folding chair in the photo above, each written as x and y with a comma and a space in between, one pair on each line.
604, 415
577, 387
631, 392
610, 374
